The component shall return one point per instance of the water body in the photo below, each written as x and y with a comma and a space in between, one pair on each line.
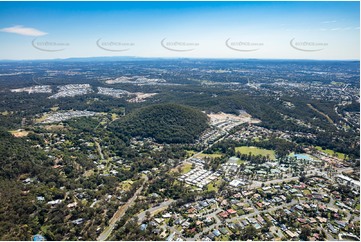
302, 157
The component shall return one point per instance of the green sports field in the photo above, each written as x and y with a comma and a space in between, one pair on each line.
256, 151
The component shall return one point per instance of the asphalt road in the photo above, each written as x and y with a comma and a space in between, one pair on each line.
120, 213
154, 210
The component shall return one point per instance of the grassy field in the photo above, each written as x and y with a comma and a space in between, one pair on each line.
186, 168
114, 116
54, 127
126, 185
255, 151
337, 83
213, 186
217, 155
306, 192
331, 152
42, 118
223, 238
89, 173
240, 162
190, 152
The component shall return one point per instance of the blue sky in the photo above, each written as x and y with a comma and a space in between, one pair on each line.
277, 30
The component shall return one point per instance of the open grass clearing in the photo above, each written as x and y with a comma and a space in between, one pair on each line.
256, 151
331, 152
190, 153
216, 155
54, 127
185, 167
55, 108
114, 116
214, 186
42, 118
306, 192
126, 185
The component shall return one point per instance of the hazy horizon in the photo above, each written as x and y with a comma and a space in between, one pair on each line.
126, 58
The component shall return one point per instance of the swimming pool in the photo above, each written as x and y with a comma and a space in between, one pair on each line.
302, 156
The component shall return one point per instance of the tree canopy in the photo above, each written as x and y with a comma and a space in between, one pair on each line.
166, 123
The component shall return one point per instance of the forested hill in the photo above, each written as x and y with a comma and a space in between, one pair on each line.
18, 157
18, 160
166, 123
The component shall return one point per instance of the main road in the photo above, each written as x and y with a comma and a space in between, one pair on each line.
120, 213
164, 205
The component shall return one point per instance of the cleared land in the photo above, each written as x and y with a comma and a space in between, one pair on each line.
216, 155
256, 151
213, 186
19, 133
323, 114
126, 185
190, 153
331, 152
54, 127
186, 168
141, 97
222, 117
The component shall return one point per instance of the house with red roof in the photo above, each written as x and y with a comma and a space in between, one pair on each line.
223, 214
231, 211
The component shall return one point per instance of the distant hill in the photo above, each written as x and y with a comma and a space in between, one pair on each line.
166, 123
98, 59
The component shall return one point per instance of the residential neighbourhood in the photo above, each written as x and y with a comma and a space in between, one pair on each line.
178, 149
282, 210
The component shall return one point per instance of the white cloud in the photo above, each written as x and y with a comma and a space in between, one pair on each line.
23, 31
